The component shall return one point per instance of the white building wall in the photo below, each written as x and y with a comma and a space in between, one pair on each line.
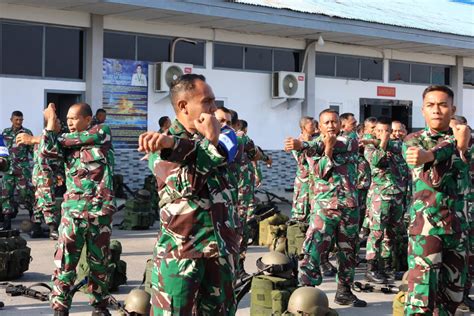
28, 96
468, 105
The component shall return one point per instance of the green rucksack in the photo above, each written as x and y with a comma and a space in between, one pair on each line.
138, 212
116, 270
14, 255
295, 235
269, 295
147, 276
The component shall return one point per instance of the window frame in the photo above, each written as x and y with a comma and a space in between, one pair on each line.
410, 74
468, 85
359, 61
43, 61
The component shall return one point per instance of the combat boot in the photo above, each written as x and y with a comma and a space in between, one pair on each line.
61, 312
328, 269
373, 275
101, 312
7, 222
36, 231
388, 272
344, 296
53, 232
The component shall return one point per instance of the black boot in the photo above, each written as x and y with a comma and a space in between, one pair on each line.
53, 232
61, 312
328, 269
101, 312
388, 271
344, 296
373, 275
36, 231
7, 222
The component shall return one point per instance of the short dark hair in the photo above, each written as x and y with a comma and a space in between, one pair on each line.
17, 113
384, 121
346, 116
84, 109
100, 111
332, 111
441, 88
184, 83
243, 124
163, 120
370, 119
224, 109
234, 117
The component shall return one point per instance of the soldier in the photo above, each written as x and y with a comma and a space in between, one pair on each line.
384, 202
333, 162
99, 118
88, 204
399, 130
437, 245
164, 122
369, 127
195, 249
46, 174
19, 175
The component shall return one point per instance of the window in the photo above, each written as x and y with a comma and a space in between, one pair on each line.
347, 67
258, 58
371, 69
119, 46
189, 53
21, 49
420, 73
64, 53
285, 60
153, 49
399, 72
228, 56
469, 76
325, 65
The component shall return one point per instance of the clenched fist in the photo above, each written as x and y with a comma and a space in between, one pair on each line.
153, 141
209, 127
416, 156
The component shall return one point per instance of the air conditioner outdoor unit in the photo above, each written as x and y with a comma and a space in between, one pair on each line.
290, 85
166, 72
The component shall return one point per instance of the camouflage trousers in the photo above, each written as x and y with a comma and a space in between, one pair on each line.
74, 233
329, 226
181, 286
437, 274
21, 180
386, 225
245, 207
362, 198
301, 207
45, 200
470, 256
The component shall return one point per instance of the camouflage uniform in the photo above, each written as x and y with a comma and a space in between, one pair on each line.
86, 211
45, 172
437, 245
334, 214
384, 200
198, 240
19, 174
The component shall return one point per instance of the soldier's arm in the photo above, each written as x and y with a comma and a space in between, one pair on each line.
376, 157
49, 147
98, 135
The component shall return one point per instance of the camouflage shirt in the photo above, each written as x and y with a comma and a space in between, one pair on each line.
197, 213
436, 207
335, 178
88, 160
19, 155
46, 167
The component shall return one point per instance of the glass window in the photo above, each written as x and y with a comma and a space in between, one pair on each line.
325, 65
468, 76
228, 56
440, 75
21, 49
285, 60
399, 71
420, 73
153, 49
371, 69
347, 67
189, 53
64, 53
119, 46
258, 58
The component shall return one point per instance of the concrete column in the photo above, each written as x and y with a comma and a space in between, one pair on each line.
457, 78
209, 55
94, 56
386, 70
309, 104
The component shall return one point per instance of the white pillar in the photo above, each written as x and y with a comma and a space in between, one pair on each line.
309, 104
457, 78
94, 56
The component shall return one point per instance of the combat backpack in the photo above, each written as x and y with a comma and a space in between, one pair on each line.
147, 276
116, 269
14, 255
269, 295
295, 235
138, 212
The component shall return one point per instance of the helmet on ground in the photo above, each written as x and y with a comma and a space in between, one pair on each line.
275, 263
309, 300
26, 226
137, 302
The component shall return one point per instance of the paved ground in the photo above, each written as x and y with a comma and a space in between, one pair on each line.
137, 248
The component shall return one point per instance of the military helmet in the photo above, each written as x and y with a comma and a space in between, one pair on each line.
308, 300
143, 194
26, 226
137, 302
275, 263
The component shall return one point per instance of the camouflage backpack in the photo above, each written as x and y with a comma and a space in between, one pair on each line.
116, 270
138, 212
14, 255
